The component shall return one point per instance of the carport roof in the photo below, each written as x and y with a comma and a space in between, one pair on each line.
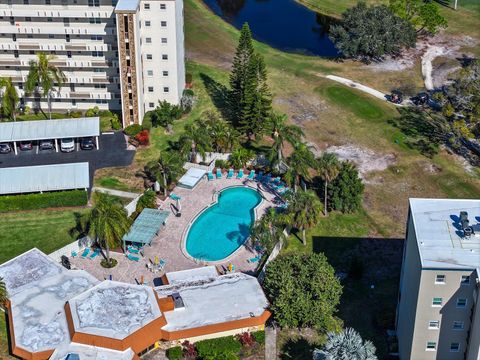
28, 179
49, 129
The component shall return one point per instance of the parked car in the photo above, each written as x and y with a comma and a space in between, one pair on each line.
46, 145
26, 145
420, 99
395, 97
87, 143
67, 145
5, 148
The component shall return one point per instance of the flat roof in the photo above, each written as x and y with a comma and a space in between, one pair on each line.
146, 226
190, 275
86, 352
49, 129
191, 178
28, 179
127, 6
214, 300
38, 288
440, 238
114, 309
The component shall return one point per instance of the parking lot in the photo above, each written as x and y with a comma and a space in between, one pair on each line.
112, 152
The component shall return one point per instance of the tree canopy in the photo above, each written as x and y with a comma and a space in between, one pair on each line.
371, 32
423, 15
346, 190
303, 291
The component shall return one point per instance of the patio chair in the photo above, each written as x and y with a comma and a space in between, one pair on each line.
94, 254
74, 254
276, 180
259, 176
251, 175
267, 178
240, 174
254, 259
230, 174
219, 173
133, 250
132, 257
210, 176
85, 253
161, 264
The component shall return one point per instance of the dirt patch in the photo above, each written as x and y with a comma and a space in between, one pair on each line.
365, 159
301, 107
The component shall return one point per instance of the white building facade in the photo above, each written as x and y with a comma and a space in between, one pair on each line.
84, 37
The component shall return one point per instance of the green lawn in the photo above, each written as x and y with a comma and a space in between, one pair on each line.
45, 229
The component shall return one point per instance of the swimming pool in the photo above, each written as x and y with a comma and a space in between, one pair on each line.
223, 227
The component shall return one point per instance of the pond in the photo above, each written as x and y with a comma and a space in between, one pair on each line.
282, 24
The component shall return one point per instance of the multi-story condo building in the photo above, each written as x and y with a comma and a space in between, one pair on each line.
116, 54
438, 313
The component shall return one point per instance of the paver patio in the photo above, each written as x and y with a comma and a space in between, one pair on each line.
168, 244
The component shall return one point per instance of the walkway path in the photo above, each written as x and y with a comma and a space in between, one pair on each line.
124, 194
427, 58
270, 343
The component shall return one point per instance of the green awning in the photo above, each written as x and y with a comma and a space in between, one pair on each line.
146, 226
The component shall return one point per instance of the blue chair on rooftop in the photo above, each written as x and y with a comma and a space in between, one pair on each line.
230, 174
251, 175
210, 176
219, 174
240, 174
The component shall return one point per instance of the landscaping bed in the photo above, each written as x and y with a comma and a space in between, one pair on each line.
43, 200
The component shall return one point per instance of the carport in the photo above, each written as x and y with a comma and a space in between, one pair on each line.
14, 132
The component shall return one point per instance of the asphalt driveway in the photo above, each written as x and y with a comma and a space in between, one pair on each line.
113, 152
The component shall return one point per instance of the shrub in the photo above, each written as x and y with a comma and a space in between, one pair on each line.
45, 200
115, 122
187, 102
132, 130
246, 339
259, 336
188, 78
224, 347
106, 265
222, 164
147, 121
346, 190
76, 114
143, 137
189, 351
188, 92
175, 353
92, 112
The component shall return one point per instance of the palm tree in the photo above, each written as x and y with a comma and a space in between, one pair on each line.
240, 157
108, 222
268, 230
304, 211
169, 167
346, 345
300, 162
328, 167
195, 140
10, 98
3, 292
45, 76
281, 133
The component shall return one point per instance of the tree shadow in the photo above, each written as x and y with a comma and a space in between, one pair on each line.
219, 95
297, 349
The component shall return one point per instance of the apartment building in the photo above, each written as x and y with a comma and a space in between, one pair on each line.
438, 313
106, 63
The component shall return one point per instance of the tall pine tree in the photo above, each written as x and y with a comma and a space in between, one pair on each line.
250, 99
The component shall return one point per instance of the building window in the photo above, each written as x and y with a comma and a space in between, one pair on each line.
147, 23
146, 6
150, 89
149, 57
164, 40
163, 6
163, 23
454, 347
458, 325
165, 73
25, 2
148, 40
434, 324
461, 303
27, 19
431, 346
465, 280
440, 279
151, 105
437, 301
149, 72
164, 57
166, 89
47, 2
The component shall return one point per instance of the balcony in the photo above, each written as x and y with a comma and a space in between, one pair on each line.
28, 46
76, 47
10, 62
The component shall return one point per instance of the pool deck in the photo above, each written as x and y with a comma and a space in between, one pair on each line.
169, 242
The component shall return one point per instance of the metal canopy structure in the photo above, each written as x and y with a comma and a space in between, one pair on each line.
30, 179
146, 226
49, 130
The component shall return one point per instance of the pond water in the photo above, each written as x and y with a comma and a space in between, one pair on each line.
282, 24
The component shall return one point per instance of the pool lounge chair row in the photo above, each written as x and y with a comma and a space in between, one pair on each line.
230, 174
86, 253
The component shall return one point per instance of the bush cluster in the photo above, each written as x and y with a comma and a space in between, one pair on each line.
259, 336
143, 137
41, 201
175, 353
132, 130
224, 347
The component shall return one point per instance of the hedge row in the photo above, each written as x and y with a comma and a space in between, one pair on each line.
45, 200
224, 347
175, 353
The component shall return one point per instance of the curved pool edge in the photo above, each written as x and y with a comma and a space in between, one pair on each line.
183, 246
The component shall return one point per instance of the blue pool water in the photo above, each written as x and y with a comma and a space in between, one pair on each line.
222, 228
